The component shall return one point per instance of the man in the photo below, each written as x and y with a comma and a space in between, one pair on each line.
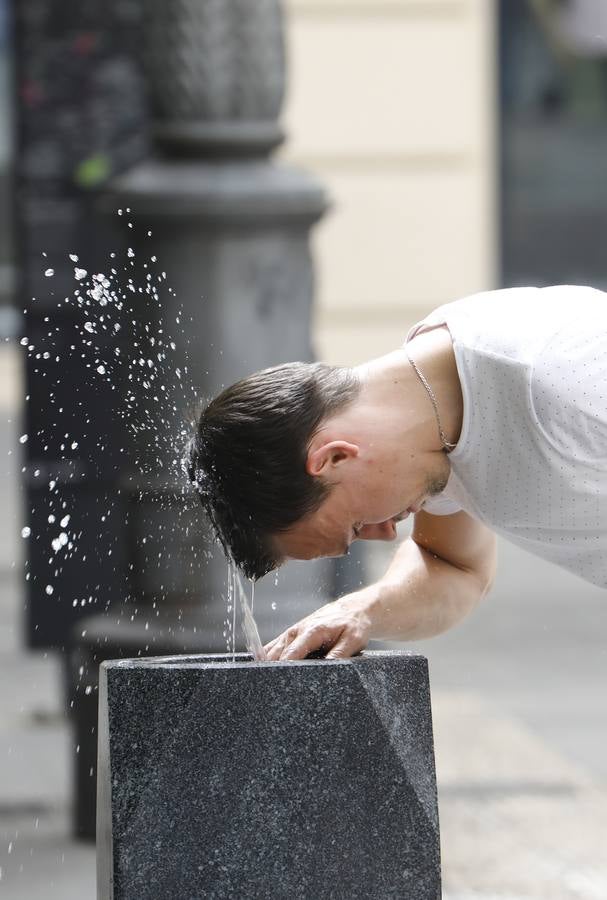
492, 418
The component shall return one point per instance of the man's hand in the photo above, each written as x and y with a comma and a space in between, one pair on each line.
338, 630
437, 577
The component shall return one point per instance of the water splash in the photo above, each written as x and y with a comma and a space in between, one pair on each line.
119, 303
123, 303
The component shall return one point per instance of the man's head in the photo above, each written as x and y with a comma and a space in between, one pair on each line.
297, 461
247, 459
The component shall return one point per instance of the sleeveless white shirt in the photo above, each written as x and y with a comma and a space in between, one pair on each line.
531, 460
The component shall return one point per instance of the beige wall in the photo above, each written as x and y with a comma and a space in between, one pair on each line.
392, 105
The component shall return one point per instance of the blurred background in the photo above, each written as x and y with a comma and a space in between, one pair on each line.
432, 149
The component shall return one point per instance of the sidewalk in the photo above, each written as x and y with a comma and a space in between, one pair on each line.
518, 822
38, 859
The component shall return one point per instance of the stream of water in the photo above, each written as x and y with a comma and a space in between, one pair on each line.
249, 625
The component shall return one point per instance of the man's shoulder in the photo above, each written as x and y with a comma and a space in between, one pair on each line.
520, 318
473, 307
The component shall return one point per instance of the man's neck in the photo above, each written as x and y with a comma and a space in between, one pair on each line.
391, 384
432, 352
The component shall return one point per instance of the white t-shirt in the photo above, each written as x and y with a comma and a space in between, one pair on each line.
531, 460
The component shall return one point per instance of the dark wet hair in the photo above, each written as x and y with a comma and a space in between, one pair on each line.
247, 457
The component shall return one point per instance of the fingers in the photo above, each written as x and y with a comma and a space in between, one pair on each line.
315, 638
336, 642
275, 648
336, 631
300, 640
348, 645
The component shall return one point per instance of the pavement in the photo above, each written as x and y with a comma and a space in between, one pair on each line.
520, 722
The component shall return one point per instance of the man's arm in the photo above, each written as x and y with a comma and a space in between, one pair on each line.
437, 576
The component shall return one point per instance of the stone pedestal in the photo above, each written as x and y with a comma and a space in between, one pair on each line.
222, 778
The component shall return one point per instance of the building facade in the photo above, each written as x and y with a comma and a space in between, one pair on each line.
393, 104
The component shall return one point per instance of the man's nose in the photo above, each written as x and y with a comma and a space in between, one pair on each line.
382, 531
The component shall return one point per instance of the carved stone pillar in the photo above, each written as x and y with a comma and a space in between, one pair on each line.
231, 229
216, 71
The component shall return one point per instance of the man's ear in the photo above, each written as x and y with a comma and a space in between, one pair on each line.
323, 459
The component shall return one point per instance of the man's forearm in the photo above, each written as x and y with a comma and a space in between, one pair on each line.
421, 595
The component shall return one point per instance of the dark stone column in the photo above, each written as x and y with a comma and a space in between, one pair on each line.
233, 238
224, 779
230, 228
81, 118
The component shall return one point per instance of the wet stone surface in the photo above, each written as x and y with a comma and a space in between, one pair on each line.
223, 779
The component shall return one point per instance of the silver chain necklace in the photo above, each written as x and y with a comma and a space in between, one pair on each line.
446, 444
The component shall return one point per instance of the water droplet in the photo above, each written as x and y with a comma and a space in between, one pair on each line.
96, 293
49, 589
25, 532
101, 370
49, 272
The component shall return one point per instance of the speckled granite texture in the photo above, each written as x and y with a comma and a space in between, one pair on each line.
223, 780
